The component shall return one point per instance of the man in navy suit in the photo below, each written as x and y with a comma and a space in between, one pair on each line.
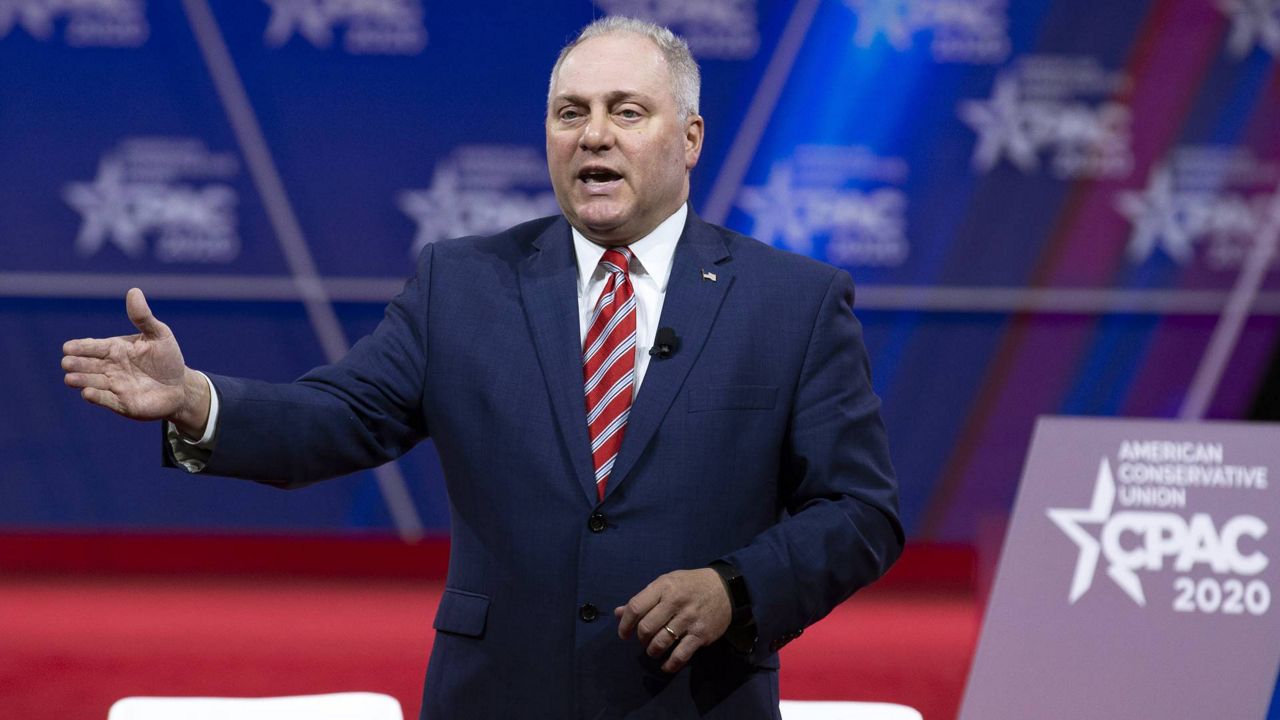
749, 490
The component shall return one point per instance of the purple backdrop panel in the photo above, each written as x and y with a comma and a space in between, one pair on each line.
1136, 579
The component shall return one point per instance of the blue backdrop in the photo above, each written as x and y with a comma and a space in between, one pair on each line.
1046, 205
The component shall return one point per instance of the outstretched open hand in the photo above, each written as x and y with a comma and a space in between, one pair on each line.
141, 376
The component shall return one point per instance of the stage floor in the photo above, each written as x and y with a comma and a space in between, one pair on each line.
72, 645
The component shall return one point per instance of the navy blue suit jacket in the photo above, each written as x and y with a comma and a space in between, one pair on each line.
759, 441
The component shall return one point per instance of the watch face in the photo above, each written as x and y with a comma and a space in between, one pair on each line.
738, 589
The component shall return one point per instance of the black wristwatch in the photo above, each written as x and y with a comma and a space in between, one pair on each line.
741, 634
736, 586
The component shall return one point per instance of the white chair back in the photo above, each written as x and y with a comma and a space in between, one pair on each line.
336, 706
831, 710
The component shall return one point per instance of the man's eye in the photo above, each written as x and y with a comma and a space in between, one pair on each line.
569, 114
629, 114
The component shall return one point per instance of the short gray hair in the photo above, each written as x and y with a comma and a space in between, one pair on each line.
686, 80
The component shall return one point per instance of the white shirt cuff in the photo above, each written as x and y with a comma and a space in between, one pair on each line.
193, 455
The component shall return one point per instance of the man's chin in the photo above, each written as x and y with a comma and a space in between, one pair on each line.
603, 226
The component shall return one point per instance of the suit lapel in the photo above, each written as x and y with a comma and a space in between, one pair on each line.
689, 308
549, 287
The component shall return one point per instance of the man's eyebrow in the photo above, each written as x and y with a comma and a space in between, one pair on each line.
610, 98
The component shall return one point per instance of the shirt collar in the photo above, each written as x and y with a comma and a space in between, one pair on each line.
653, 252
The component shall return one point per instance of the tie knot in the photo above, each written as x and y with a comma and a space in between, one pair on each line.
616, 260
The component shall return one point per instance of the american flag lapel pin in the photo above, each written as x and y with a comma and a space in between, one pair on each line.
708, 276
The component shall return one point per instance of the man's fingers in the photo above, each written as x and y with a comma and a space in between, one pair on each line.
78, 364
87, 347
135, 303
636, 608
692, 610
680, 657
650, 626
664, 638
104, 398
87, 380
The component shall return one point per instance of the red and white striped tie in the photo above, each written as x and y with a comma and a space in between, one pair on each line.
608, 364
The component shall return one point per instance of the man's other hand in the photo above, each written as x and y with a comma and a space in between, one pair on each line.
140, 376
684, 610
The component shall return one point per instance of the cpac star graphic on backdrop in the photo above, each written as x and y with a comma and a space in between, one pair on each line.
106, 207
89, 23
34, 16
1206, 202
803, 200
720, 29
144, 190
303, 17
373, 27
1071, 522
1001, 128
889, 19
437, 210
1254, 23
1156, 219
1053, 111
776, 213
448, 209
959, 31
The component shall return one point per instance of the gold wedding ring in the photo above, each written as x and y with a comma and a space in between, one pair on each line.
673, 632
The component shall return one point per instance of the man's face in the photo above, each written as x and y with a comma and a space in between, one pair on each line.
618, 155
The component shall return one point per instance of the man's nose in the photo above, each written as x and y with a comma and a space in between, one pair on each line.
597, 134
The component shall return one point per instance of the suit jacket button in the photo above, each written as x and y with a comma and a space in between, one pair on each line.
596, 522
588, 612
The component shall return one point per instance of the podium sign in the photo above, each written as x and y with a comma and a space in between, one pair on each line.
1140, 576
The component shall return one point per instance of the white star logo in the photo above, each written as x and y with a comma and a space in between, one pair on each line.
776, 211
1156, 219
106, 207
1000, 127
436, 209
888, 18
307, 18
450, 208
35, 16
1253, 22
1069, 520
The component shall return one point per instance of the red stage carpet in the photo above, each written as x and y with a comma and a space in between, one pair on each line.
70, 645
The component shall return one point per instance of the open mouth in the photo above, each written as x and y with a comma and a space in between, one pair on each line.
598, 176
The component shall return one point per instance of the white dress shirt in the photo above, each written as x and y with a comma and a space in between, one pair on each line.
650, 270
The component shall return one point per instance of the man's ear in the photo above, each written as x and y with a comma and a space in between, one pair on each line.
693, 132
